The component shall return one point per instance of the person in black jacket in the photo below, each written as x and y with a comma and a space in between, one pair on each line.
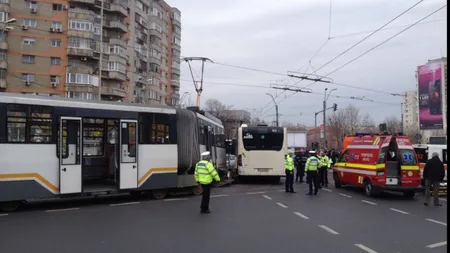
433, 174
300, 161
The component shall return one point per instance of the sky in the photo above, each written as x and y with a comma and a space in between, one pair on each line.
284, 35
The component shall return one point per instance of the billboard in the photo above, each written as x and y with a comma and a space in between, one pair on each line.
429, 78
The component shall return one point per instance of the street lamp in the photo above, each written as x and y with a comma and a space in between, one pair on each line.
325, 98
276, 107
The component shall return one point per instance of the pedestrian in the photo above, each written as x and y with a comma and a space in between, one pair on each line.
433, 174
289, 170
300, 161
204, 175
311, 169
323, 169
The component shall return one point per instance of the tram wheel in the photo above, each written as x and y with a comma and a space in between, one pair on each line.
10, 206
159, 194
197, 190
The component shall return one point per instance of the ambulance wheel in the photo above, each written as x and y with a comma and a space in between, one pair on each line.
197, 190
409, 194
159, 194
337, 182
10, 206
368, 189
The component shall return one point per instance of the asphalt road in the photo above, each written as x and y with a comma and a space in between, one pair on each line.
245, 218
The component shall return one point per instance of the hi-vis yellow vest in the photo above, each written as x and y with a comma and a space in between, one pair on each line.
205, 172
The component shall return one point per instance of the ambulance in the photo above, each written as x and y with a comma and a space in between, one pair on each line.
378, 162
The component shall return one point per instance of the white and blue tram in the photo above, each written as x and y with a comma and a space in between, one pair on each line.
55, 147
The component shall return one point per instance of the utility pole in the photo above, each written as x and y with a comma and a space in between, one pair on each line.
324, 115
198, 88
100, 63
276, 108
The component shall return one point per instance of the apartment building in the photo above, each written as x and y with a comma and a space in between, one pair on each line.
410, 111
114, 49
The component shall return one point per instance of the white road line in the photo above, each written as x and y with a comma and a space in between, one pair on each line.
345, 195
369, 202
366, 249
62, 210
281, 190
267, 197
329, 229
251, 193
3, 214
283, 206
328, 190
301, 215
435, 245
167, 200
443, 199
219, 195
437, 222
125, 204
399, 211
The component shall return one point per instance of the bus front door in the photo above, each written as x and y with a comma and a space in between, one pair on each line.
128, 170
70, 167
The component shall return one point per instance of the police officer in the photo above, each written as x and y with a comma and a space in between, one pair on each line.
204, 175
323, 170
300, 164
311, 169
289, 169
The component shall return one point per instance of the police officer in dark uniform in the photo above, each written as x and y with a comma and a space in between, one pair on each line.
300, 162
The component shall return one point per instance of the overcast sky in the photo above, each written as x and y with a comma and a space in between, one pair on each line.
282, 35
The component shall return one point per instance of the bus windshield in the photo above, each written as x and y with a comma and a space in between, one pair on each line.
262, 140
408, 157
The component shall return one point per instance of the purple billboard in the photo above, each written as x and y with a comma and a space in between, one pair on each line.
430, 96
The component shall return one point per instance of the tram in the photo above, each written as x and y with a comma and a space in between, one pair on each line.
54, 147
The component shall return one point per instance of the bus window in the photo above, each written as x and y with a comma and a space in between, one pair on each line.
407, 157
422, 154
262, 141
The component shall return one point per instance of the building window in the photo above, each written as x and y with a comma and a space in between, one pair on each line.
77, 78
57, 7
28, 58
56, 25
56, 43
156, 27
97, 30
3, 55
80, 25
27, 77
77, 42
116, 66
29, 41
55, 60
80, 95
55, 79
115, 49
3, 16
2, 74
31, 4
30, 22
176, 40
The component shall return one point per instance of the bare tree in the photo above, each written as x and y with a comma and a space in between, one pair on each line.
393, 124
368, 124
413, 134
352, 119
256, 121
294, 127
338, 125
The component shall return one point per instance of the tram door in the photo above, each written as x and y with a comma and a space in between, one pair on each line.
70, 139
128, 172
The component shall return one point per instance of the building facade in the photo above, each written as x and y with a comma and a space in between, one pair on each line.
410, 108
125, 50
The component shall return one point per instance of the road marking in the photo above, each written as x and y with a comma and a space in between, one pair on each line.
399, 211
443, 199
167, 200
367, 249
301, 215
251, 193
219, 195
370, 203
283, 206
345, 195
62, 210
329, 229
125, 204
3, 214
328, 190
281, 190
435, 245
437, 222
267, 197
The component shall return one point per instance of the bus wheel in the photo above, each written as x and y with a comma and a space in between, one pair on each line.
409, 194
10, 206
159, 194
337, 182
197, 190
368, 189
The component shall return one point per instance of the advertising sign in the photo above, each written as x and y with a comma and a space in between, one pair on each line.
430, 96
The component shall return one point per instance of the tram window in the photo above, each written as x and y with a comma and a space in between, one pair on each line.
93, 134
17, 123
112, 132
201, 131
154, 129
31, 124
132, 140
40, 124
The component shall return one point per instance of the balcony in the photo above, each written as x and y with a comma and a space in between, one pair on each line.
114, 75
89, 2
3, 83
4, 7
81, 14
176, 46
141, 57
175, 71
175, 83
3, 45
115, 92
119, 42
154, 32
83, 52
154, 59
116, 25
112, 7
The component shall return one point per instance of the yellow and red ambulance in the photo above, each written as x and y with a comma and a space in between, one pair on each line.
379, 163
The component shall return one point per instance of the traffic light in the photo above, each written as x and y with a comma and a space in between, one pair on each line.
334, 107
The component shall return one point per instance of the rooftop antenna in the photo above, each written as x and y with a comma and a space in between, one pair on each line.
198, 85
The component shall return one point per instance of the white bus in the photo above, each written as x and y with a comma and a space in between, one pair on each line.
425, 152
261, 151
62, 148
